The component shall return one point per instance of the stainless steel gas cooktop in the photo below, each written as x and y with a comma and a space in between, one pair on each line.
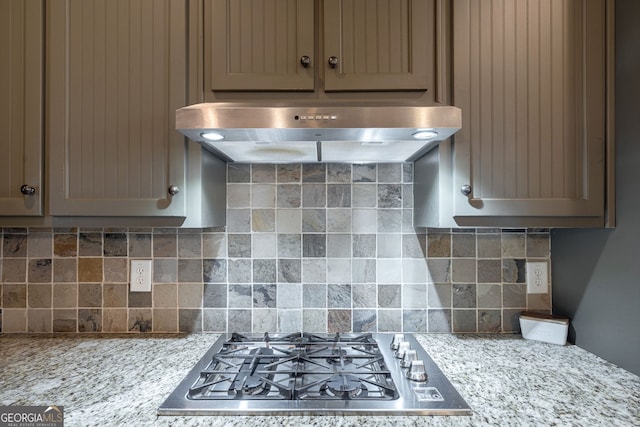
306, 374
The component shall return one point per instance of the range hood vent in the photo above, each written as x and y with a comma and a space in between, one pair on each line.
336, 133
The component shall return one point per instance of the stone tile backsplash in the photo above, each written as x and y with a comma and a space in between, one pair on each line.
314, 247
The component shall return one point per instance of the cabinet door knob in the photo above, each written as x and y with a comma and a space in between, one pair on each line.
27, 190
465, 190
333, 61
173, 190
305, 61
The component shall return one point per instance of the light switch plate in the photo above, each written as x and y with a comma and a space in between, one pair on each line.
140, 275
537, 278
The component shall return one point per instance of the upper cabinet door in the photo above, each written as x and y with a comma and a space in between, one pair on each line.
117, 71
259, 45
530, 78
21, 83
378, 45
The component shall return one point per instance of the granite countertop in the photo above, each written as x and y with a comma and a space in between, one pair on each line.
115, 381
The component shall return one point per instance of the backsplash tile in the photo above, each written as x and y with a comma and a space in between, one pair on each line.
318, 247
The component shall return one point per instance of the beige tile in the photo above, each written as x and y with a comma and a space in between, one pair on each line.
463, 270
114, 320
89, 295
65, 270
116, 270
115, 294
65, 320
513, 245
39, 296
14, 295
165, 295
90, 320
14, 320
65, 245
39, 320
90, 269
165, 320
165, 245
14, 270
190, 295
40, 245
65, 295
439, 245
39, 270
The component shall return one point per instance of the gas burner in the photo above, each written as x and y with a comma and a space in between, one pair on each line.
253, 386
344, 386
338, 356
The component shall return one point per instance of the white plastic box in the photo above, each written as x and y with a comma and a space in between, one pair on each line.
544, 327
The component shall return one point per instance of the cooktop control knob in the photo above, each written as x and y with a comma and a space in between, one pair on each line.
395, 342
403, 347
417, 371
409, 356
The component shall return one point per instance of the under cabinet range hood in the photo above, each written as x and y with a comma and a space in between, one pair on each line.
305, 133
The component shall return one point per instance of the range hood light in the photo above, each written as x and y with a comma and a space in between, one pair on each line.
425, 134
374, 143
212, 136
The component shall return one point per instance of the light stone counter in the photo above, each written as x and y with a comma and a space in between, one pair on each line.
120, 381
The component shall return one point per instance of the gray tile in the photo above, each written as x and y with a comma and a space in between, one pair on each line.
489, 321
38, 295
538, 245
338, 321
510, 320
364, 221
264, 295
215, 295
463, 245
263, 173
189, 270
414, 270
463, 270
289, 172
389, 220
214, 245
414, 245
189, 320
238, 172
513, 245
407, 172
364, 321
314, 195
314, 321
15, 296
439, 320
364, 195
89, 320
239, 245
214, 320
439, 295
40, 271
238, 196
115, 244
389, 320
339, 195
489, 245
314, 295
239, 271
263, 196
514, 295
489, 296
389, 246
64, 270
214, 270
39, 320
439, 270
288, 195
289, 320
314, 172
314, 245
338, 296
15, 245
264, 245
265, 320
489, 271
39, 244
139, 245
338, 270
389, 172
364, 295
314, 220
289, 271
364, 173
464, 321
407, 196
290, 245
363, 270
389, 296
339, 245
414, 321
389, 196
414, 295
464, 296
263, 220
339, 172
314, 270
238, 220
338, 220
264, 270
139, 299
90, 244
90, 295
240, 320
14, 270
141, 320
240, 296
514, 271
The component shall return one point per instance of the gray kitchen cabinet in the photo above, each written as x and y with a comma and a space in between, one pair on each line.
116, 73
532, 80
258, 45
21, 88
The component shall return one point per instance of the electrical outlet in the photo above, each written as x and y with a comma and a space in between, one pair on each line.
537, 278
140, 275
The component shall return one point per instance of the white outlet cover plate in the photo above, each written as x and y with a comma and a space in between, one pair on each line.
140, 277
537, 278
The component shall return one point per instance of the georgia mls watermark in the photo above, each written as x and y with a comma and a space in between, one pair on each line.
31, 416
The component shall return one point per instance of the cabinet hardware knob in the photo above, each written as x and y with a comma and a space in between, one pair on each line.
305, 61
173, 190
27, 190
465, 190
333, 61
